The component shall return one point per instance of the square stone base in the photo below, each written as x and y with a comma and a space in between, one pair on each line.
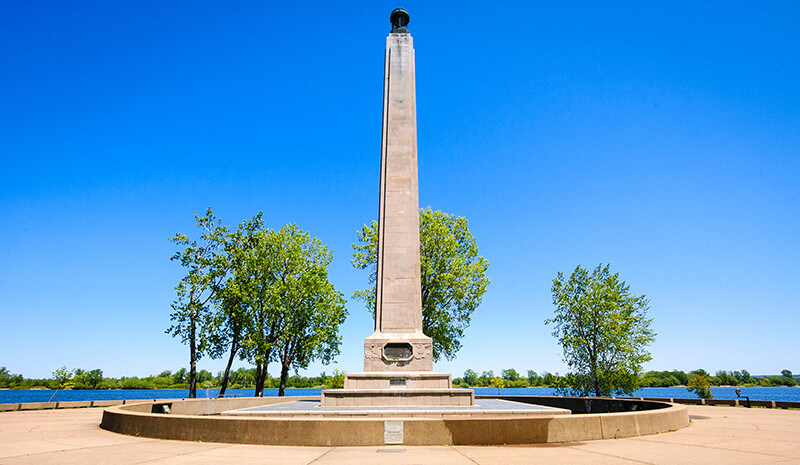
398, 380
397, 397
397, 388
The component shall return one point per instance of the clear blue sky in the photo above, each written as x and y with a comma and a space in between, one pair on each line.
661, 138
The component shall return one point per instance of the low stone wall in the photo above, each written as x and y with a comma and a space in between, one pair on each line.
729, 402
587, 404
196, 420
71, 404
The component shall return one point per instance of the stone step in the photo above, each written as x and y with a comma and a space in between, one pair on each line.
397, 397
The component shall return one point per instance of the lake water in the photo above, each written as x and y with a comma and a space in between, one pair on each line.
791, 394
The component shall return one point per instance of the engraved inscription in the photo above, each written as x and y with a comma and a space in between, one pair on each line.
392, 432
398, 351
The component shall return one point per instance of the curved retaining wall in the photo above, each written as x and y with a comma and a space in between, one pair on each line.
108, 403
196, 420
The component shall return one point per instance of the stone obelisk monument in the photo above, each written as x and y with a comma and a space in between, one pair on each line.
398, 356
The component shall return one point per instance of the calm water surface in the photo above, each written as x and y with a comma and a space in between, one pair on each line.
791, 394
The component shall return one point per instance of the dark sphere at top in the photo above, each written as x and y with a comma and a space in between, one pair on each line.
399, 18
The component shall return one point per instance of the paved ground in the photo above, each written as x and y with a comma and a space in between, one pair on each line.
312, 407
718, 435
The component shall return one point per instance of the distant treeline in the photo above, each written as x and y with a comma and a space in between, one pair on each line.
511, 378
244, 378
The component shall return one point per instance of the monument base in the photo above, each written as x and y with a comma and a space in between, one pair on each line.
398, 380
394, 389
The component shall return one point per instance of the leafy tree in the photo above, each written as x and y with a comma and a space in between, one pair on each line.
725, 378
63, 377
663, 379
253, 256
603, 330
470, 378
699, 383
335, 381
87, 379
683, 378
453, 276
310, 308
179, 377
279, 304
9, 380
227, 328
5, 377
786, 373
533, 378
509, 375
498, 383
486, 378
743, 377
204, 273
243, 377
229, 324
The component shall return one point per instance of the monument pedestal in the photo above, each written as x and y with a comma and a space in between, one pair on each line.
397, 372
397, 388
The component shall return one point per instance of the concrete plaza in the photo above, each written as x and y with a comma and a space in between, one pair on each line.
717, 435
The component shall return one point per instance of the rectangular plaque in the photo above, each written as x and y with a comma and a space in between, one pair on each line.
392, 432
397, 382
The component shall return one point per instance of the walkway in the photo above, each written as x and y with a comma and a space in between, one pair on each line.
718, 435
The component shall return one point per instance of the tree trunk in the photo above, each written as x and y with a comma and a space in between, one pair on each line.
226, 374
259, 380
192, 363
284, 377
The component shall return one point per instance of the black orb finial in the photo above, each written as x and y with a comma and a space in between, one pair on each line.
399, 19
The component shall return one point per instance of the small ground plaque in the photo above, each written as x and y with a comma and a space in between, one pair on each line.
398, 382
392, 432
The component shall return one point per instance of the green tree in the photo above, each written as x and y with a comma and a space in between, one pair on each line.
699, 383
288, 309
470, 378
533, 378
509, 375
63, 377
254, 258
202, 259
453, 276
87, 379
310, 308
786, 373
485, 378
682, 377
603, 330
498, 383
227, 327
335, 381
243, 377
179, 377
229, 323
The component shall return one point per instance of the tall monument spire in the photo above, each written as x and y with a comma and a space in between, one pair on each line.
398, 357
398, 306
